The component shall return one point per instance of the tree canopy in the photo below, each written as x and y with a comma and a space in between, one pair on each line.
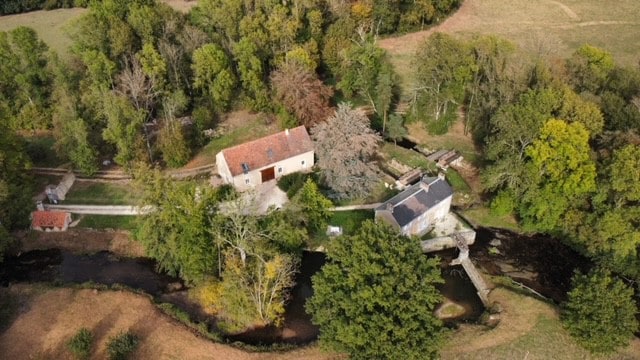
375, 297
345, 145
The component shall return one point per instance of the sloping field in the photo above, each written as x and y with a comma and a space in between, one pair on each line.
550, 28
48, 24
49, 317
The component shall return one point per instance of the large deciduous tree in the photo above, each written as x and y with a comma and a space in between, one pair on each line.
346, 145
175, 231
374, 299
302, 93
212, 74
600, 312
564, 174
444, 66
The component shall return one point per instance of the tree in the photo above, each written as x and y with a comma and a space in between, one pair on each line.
600, 311
212, 74
124, 129
444, 66
374, 299
302, 93
80, 344
345, 146
15, 198
174, 146
313, 206
589, 68
176, 233
564, 174
396, 130
252, 75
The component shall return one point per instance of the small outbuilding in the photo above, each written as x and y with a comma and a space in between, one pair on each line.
416, 210
43, 220
247, 165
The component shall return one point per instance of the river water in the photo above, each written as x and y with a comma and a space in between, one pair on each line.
550, 262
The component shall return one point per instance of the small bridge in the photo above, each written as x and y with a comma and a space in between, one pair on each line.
475, 276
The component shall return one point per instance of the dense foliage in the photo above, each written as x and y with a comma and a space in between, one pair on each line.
375, 297
600, 312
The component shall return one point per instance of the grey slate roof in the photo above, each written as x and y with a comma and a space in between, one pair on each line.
415, 200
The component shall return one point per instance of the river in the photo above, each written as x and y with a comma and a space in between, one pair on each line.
545, 263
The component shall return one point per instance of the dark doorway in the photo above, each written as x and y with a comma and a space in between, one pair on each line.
268, 174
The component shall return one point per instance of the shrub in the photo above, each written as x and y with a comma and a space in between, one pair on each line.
121, 345
292, 183
503, 204
80, 344
600, 312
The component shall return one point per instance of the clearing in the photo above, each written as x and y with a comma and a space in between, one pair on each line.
102, 193
49, 24
548, 28
48, 317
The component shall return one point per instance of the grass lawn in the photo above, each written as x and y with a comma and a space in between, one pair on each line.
349, 221
407, 157
529, 329
50, 26
97, 193
481, 216
101, 222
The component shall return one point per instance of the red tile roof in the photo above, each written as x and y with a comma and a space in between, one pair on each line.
49, 219
268, 150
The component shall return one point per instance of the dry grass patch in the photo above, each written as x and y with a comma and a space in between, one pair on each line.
47, 319
549, 28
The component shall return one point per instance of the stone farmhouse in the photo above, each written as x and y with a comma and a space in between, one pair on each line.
247, 165
416, 210
43, 220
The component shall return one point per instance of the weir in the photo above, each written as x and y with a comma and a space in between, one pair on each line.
461, 240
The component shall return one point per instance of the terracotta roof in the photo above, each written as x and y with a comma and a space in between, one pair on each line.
49, 219
268, 150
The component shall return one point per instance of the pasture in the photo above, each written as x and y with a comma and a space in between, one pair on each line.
552, 29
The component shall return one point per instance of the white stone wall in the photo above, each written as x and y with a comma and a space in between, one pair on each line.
288, 166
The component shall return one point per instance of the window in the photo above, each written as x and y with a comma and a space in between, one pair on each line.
247, 181
279, 169
304, 164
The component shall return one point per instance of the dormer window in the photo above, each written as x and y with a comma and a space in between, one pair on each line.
245, 168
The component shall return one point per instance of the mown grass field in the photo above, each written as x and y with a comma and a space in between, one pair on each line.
50, 26
553, 29
98, 193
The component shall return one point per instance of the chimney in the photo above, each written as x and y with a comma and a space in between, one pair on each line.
441, 176
389, 207
286, 131
424, 184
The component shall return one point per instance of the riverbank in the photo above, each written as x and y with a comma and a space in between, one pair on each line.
81, 241
45, 318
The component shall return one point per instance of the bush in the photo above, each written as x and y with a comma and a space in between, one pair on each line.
121, 345
503, 204
600, 312
292, 183
80, 344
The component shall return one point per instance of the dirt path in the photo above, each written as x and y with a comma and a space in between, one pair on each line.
48, 318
